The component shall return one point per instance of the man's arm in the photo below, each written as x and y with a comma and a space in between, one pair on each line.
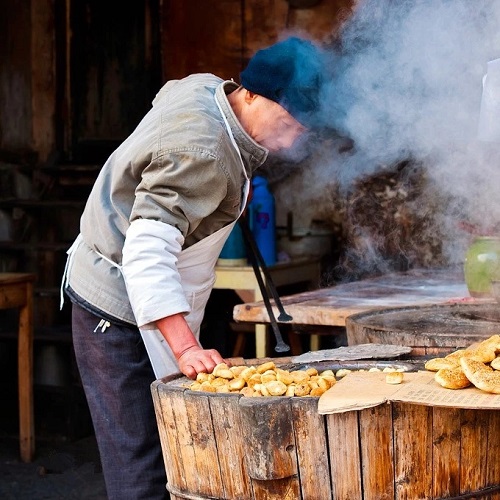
192, 358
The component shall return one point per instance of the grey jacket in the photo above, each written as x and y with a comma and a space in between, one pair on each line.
177, 167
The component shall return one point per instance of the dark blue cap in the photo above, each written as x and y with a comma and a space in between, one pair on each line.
290, 73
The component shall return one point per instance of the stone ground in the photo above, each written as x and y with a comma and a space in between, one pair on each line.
61, 470
66, 465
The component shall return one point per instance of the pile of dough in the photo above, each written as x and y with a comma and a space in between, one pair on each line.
478, 365
268, 379
264, 380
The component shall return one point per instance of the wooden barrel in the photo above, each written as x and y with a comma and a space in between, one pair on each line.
428, 330
226, 446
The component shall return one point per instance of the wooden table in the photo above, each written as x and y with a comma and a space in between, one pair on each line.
331, 306
243, 281
16, 291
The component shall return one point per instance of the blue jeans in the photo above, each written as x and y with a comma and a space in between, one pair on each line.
116, 375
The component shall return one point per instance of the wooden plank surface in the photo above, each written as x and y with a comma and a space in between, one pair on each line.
231, 445
473, 460
344, 451
175, 437
412, 428
377, 452
446, 452
493, 466
11, 278
311, 443
269, 432
25, 373
206, 464
16, 291
331, 306
271, 460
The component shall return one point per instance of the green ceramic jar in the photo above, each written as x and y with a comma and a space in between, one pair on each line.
482, 264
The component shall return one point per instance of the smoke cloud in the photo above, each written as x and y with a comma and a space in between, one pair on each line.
407, 78
405, 82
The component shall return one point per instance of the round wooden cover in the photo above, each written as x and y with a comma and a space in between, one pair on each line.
446, 325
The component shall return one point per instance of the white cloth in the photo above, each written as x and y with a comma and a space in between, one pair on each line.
149, 267
489, 116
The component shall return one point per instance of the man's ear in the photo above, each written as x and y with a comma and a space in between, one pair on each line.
250, 96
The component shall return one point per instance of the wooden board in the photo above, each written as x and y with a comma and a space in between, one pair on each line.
331, 306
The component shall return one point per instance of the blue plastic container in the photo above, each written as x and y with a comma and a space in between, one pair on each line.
263, 219
233, 252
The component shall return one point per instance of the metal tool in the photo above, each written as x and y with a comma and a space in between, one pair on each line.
254, 249
258, 263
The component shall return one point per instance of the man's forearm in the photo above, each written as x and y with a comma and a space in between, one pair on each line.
177, 333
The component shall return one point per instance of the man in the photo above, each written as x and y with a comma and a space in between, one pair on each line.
141, 271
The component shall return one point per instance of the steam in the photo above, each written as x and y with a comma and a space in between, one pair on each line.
408, 77
406, 82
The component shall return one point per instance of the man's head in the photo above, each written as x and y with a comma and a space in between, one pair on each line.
289, 73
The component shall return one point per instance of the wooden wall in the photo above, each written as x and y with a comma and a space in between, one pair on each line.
77, 75
27, 83
219, 36
113, 72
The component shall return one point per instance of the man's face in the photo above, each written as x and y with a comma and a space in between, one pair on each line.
271, 125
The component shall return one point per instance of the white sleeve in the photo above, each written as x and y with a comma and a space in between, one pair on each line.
149, 267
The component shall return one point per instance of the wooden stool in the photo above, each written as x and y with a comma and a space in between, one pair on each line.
16, 291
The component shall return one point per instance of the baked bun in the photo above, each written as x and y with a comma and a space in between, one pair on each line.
495, 364
435, 364
481, 375
455, 356
394, 377
482, 353
479, 365
493, 342
452, 378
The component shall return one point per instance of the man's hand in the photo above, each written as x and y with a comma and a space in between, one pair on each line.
196, 360
192, 358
